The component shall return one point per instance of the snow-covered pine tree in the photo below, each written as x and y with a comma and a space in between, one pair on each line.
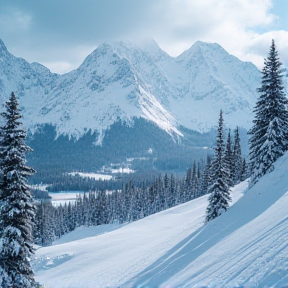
219, 189
237, 157
194, 182
166, 191
244, 170
172, 190
228, 157
44, 229
269, 133
17, 209
206, 177
188, 183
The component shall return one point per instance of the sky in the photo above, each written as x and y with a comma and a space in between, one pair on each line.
60, 34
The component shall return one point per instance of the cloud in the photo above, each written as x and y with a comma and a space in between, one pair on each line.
240, 26
257, 49
226, 22
63, 31
13, 21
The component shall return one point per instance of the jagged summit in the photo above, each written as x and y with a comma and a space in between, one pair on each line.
129, 49
208, 53
40, 68
200, 47
2, 47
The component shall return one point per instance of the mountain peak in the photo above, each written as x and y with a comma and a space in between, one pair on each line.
128, 79
2, 47
209, 45
140, 43
204, 48
148, 44
40, 68
151, 47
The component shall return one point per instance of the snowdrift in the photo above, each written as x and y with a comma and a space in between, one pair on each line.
245, 247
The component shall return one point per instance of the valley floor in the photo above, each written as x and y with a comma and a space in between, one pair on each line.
245, 247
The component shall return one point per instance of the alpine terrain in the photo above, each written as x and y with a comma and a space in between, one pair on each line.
130, 93
245, 247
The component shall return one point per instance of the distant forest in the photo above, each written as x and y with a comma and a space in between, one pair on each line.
53, 156
126, 200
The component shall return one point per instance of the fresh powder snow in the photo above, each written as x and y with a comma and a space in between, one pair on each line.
246, 246
61, 197
95, 176
115, 257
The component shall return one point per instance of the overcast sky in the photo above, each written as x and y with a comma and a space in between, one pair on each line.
61, 33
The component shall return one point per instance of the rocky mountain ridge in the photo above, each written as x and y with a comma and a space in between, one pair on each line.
122, 80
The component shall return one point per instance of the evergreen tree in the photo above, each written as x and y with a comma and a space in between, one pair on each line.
44, 229
237, 158
244, 170
166, 190
172, 190
188, 188
269, 133
228, 158
219, 188
206, 177
194, 182
17, 209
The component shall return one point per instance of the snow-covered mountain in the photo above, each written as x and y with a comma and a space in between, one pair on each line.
122, 80
152, 95
245, 247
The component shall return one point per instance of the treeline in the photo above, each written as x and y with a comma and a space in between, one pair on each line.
56, 154
133, 202
75, 182
102, 207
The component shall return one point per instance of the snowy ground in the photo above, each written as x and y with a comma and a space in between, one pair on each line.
247, 246
86, 232
95, 176
42, 187
63, 197
101, 176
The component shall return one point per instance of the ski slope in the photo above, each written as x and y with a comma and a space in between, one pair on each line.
247, 246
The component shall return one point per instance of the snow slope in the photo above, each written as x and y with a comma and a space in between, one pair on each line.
117, 256
247, 246
86, 232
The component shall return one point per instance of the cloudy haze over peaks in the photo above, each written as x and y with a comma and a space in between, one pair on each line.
60, 34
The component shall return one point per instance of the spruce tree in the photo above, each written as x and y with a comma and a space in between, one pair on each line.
188, 188
244, 170
206, 177
269, 133
237, 158
228, 157
219, 189
17, 206
194, 182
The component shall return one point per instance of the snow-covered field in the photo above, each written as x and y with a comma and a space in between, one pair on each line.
245, 247
63, 197
95, 176
86, 232
42, 187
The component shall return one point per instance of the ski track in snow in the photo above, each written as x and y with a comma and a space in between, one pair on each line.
245, 247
